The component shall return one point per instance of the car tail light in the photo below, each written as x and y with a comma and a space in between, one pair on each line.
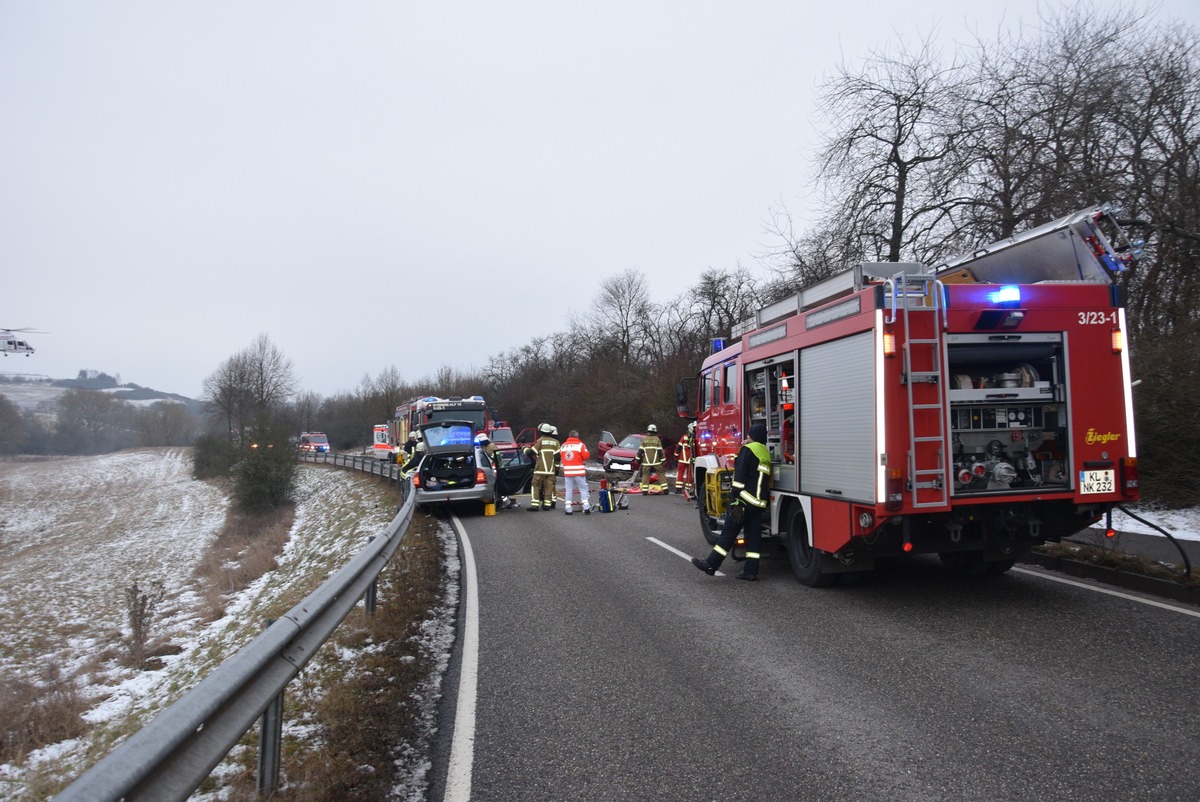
416, 480
480, 477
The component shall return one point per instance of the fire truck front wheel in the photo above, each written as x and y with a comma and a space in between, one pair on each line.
805, 560
710, 526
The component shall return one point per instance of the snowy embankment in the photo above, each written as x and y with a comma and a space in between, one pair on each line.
75, 533
1182, 524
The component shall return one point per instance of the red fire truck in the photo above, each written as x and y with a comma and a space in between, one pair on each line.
972, 409
430, 409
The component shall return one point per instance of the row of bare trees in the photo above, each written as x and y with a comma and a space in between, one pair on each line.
86, 421
929, 155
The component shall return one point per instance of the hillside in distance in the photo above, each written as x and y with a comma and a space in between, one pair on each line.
29, 391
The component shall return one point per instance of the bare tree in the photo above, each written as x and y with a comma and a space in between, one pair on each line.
890, 162
248, 388
1161, 131
226, 396
799, 259
271, 375
306, 408
721, 299
622, 314
390, 391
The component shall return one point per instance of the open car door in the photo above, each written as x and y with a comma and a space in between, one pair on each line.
514, 469
607, 441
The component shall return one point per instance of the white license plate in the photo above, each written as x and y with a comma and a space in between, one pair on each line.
1097, 482
613, 466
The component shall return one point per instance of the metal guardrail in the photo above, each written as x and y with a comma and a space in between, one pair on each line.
169, 757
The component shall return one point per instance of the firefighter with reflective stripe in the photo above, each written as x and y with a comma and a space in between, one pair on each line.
572, 455
751, 492
414, 456
544, 453
683, 461
651, 457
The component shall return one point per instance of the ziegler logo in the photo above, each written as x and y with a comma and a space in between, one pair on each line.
1094, 437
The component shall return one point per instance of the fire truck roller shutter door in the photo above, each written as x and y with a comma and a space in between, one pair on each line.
837, 418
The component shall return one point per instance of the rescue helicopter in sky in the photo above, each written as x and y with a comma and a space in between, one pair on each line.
11, 342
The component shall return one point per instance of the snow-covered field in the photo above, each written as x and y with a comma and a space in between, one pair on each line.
75, 533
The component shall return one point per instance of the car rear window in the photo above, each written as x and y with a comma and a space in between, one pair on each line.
436, 436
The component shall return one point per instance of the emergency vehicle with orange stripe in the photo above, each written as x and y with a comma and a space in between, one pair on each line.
971, 409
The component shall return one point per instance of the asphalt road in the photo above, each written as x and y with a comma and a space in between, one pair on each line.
611, 669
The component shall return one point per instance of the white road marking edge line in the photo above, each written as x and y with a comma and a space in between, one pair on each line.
1085, 586
462, 749
674, 550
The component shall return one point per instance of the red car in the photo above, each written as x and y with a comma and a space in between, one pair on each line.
622, 457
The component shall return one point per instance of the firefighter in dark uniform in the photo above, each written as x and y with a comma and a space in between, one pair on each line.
544, 453
413, 456
751, 489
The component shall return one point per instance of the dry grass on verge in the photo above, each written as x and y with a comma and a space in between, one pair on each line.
32, 716
1121, 560
247, 547
362, 707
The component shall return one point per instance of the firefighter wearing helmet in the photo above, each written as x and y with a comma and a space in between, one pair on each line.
415, 456
651, 457
685, 450
544, 453
752, 490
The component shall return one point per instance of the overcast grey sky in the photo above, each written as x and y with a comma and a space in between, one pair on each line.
398, 183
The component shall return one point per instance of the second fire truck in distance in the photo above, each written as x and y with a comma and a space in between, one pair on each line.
972, 409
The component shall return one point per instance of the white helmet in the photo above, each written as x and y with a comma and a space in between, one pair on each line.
652, 428
554, 431
481, 439
692, 426
545, 428
420, 436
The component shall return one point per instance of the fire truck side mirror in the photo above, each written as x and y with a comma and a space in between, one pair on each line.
684, 398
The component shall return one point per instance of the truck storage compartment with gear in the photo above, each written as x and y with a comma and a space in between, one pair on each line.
1008, 413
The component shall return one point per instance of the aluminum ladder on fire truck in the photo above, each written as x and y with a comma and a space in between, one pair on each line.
919, 299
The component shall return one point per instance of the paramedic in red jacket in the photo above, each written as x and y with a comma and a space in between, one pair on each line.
572, 456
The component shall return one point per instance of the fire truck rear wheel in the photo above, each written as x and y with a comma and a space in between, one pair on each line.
805, 560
